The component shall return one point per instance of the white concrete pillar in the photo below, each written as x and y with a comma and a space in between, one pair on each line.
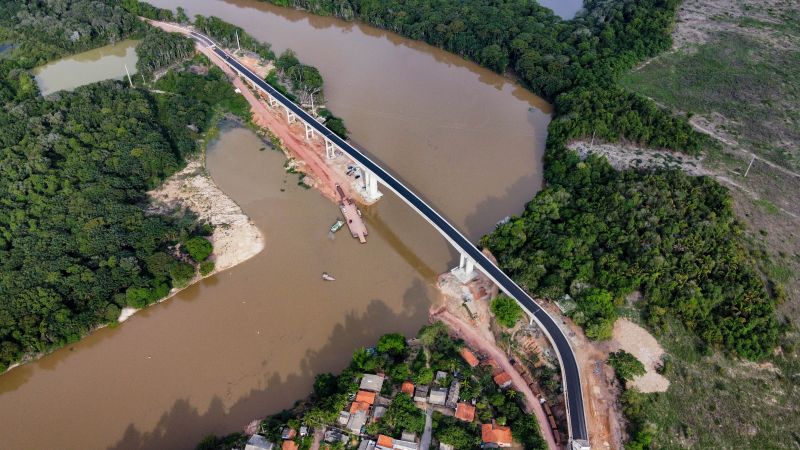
290, 116
371, 192
330, 149
465, 270
309, 132
272, 100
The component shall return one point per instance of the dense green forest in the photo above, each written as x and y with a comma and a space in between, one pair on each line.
159, 49
76, 245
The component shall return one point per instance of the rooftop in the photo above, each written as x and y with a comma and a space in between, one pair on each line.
372, 382
407, 388
469, 357
289, 445
502, 379
465, 412
358, 406
492, 433
258, 442
365, 397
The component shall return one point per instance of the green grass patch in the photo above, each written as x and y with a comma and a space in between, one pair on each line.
750, 83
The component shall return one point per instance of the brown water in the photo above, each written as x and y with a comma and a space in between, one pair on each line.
248, 341
102, 63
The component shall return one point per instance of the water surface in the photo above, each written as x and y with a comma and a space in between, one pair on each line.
102, 63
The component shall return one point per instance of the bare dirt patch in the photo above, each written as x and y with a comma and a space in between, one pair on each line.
640, 343
236, 238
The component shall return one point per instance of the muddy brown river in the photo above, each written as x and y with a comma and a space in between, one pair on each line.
248, 342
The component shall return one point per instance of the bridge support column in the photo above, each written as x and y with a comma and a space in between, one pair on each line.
371, 192
309, 132
465, 270
272, 101
330, 149
290, 116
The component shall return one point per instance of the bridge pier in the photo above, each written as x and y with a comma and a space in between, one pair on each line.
309, 131
465, 270
371, 192
290, 116
330, 149
272, 101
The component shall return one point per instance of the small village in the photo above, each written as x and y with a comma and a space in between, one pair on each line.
428, 392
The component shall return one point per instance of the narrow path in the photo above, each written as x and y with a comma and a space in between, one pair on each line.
475, 340
425, 442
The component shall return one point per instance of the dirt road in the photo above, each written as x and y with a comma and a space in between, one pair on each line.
309, 152
479, 342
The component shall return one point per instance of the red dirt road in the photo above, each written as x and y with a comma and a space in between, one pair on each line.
474, 339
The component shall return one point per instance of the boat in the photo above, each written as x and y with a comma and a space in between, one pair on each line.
327, 277
337, 226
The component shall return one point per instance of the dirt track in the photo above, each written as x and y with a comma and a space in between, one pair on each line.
479, 342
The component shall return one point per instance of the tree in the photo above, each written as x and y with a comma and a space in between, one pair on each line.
506, 310
626, 366
325, 384
198, 247
458, 437
403, 414
393, 344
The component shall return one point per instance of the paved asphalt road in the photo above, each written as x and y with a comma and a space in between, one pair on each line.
569, 366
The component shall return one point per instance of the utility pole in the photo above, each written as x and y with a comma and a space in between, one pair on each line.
129, 75
749, 166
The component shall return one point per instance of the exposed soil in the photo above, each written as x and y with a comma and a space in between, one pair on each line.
477, 334
307, 155
600, 386
640, 343
236, 238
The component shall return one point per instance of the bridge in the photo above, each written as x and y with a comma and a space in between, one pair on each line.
471, 256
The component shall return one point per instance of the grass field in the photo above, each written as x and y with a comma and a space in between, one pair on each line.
756, 88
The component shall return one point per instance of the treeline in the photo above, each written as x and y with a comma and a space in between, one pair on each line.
48, 30
160, 49
76, 245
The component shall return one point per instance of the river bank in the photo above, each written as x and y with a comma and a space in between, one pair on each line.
305, 155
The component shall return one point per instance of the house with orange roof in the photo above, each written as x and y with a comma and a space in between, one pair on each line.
366, 397
465, 412
469, 357
359, 406
407, 388
494, 435
385, 442
289, 445
503, 379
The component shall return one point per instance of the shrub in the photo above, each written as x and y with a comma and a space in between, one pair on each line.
626, 365
206, 267
506, 310
199, 248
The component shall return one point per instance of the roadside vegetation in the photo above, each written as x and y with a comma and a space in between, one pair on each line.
76, 243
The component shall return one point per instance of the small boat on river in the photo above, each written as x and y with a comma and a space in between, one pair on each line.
327, 277
337, 226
